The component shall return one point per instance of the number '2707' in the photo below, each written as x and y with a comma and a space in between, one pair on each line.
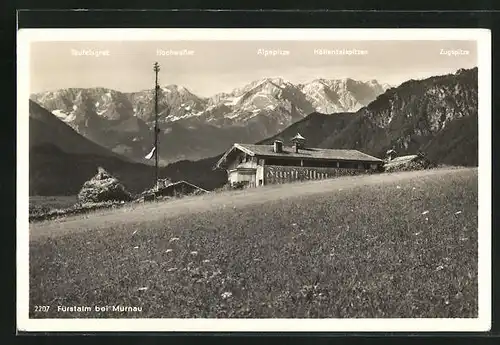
42, 308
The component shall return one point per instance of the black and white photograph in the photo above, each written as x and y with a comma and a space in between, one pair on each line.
254, 180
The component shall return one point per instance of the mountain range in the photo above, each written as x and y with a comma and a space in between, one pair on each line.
437, 115
194, 127
61, 160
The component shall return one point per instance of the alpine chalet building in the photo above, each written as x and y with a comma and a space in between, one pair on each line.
258, 165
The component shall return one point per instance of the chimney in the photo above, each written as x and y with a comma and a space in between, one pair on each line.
278, 146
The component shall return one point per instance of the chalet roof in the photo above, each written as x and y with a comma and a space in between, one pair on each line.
165, 190
183, 182
401, 160
404, 158
298, 137
306, 153
411, 161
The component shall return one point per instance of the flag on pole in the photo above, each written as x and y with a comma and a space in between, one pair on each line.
151, 154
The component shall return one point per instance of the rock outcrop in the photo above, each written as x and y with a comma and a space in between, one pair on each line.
103, 187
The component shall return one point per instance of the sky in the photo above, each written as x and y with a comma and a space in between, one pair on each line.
211, 67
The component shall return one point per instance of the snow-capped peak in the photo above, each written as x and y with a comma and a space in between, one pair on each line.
277, 80
272, 96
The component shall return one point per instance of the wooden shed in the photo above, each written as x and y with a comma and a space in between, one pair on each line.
179, 188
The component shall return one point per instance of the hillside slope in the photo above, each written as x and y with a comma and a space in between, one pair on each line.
457, 144
45, 128
437, 115
61, 160
55, 172
194, 127
315, 127
415, 114
365, 250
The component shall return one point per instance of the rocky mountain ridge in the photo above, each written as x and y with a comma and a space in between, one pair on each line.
123, 122
437, 115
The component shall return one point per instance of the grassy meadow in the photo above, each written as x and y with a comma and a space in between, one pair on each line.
45, 203
399, 245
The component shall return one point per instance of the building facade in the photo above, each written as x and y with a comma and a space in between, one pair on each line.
258, 165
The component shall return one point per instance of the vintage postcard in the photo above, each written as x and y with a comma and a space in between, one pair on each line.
254, 180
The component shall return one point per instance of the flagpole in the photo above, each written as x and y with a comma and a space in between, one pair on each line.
156, 68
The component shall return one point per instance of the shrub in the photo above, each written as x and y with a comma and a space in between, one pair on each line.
79, 208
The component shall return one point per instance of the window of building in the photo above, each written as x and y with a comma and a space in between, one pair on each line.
348, 165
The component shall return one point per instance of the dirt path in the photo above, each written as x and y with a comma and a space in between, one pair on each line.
213, 202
